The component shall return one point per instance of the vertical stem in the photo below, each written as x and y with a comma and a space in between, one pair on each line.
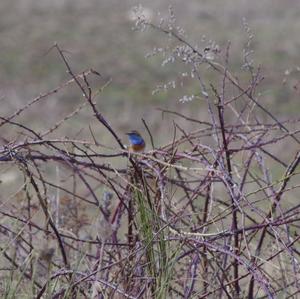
57, 200
234, 226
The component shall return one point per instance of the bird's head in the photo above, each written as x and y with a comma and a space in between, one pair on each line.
133, 133
136, 139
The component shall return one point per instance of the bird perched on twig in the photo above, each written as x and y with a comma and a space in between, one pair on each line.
137, 143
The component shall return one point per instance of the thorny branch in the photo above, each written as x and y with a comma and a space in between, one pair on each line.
187, 218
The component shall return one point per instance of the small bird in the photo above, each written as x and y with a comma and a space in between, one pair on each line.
137, 143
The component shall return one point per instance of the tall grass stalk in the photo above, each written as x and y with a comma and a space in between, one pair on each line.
152, 233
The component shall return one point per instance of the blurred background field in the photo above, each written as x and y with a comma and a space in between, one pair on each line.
99, 34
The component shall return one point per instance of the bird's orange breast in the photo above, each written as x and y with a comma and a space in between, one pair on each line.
137, 147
